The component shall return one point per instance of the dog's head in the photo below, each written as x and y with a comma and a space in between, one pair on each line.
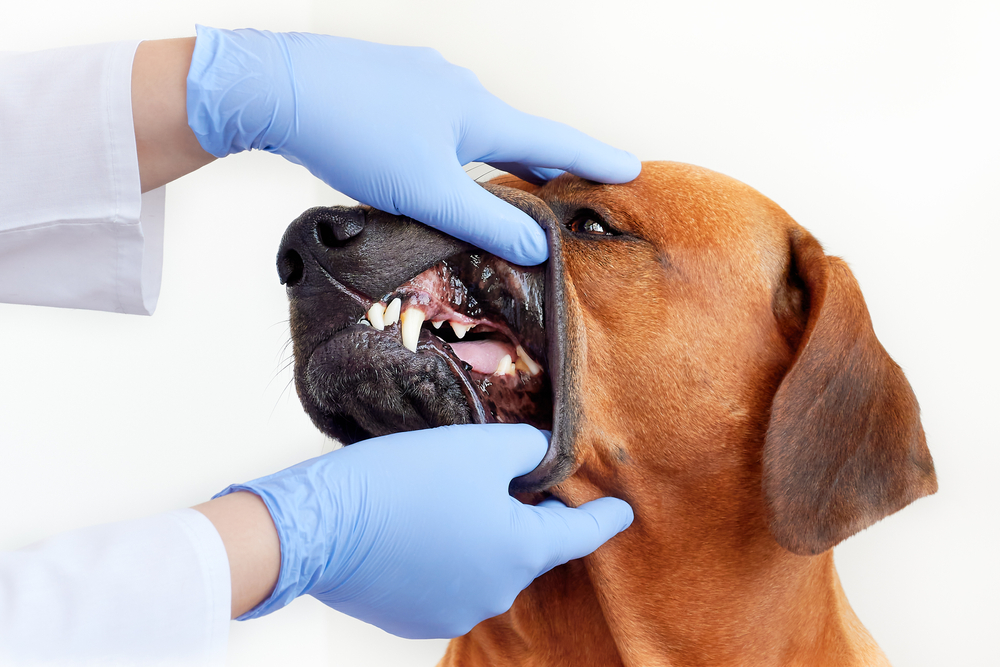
684, 327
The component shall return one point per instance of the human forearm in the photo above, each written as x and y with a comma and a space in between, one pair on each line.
166, 146
251, 542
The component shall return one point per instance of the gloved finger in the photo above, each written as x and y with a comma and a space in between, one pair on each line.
533, 175
573, 533
552, 502
464, 209
513, 449
538, 142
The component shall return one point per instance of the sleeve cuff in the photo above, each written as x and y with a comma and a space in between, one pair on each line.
74, 230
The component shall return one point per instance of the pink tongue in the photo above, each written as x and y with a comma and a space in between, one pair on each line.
483, 355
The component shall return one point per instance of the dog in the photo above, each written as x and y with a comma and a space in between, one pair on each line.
693, 351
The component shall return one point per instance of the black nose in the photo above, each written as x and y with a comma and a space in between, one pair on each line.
325, 228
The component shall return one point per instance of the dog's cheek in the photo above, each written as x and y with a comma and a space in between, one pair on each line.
618, 340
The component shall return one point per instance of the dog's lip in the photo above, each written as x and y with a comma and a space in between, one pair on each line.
428, 343
472, 391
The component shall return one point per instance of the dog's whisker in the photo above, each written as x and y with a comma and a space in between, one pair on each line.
489, 174
284, 367
284, 349
280, 396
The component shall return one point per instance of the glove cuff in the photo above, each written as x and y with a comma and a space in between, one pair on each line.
240, 94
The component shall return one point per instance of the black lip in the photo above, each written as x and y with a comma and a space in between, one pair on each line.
473, 394
557, 463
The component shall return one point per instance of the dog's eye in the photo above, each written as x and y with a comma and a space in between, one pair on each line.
588, 222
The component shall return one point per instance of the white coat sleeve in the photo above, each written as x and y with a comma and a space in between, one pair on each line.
151, 591
74, 230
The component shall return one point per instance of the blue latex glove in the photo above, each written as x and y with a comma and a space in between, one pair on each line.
416, 533
389, 126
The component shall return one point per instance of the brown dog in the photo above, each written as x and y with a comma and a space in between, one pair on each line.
708, 364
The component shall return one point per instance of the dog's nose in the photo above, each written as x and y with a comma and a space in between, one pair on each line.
327, 229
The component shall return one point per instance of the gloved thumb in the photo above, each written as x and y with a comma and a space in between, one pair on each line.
576, 532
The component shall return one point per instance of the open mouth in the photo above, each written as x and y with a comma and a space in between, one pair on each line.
483, 318
461, 342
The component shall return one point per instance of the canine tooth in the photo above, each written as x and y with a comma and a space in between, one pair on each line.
392, 312
531, 365
459, 329
503, 368
437, 325
376, 315
411, 320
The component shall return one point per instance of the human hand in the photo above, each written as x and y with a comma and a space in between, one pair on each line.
416, 533
389, 126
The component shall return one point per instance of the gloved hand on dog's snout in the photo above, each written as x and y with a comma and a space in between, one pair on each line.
389, 126
416, 533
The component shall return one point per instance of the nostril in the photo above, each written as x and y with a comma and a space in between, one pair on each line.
290, 268
328, 235
341, 227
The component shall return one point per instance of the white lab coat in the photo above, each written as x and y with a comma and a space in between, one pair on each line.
75, 232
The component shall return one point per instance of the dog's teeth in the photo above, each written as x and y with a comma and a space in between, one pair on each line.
364, 322
530, 365
392, 312
459, 329
411, 320
376, 315
504, 367
437, 325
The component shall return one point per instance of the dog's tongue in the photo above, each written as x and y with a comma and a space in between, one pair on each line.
483, 355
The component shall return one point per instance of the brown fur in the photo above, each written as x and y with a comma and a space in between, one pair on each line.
733, 391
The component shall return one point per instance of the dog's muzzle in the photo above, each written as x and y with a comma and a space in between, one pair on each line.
398, 327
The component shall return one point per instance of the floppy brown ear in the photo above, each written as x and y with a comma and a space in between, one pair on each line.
844, 446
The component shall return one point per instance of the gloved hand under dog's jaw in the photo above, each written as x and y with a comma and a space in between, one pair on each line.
416, 532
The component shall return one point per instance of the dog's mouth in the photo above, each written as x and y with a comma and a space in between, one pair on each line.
461, 342
448, 335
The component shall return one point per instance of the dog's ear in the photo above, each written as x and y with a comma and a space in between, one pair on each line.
844, 447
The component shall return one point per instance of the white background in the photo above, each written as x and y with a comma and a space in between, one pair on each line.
873, 124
